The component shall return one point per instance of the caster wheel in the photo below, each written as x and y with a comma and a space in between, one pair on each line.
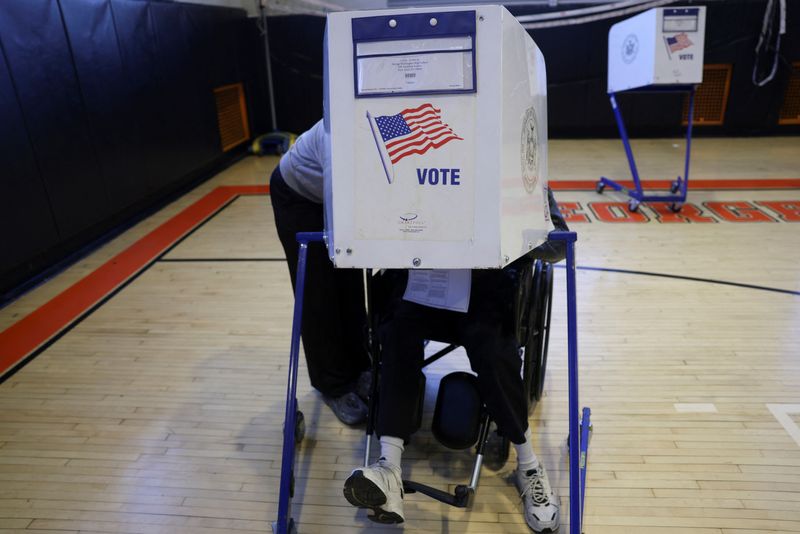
675, 207
299, 427
600, 187
675, 186
633, 205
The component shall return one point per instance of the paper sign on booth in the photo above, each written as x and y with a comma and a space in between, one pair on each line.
446, 289
414, 72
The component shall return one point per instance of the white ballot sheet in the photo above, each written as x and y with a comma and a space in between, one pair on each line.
446, 289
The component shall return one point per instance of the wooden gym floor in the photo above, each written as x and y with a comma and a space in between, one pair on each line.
154, 403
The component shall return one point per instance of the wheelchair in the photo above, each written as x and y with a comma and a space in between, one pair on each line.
460, 418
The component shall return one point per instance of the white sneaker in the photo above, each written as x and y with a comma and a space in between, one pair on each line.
379, 488
539, 501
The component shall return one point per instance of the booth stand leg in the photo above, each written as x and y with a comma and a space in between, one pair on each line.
578, 429
678, 188
293, 425
586, 434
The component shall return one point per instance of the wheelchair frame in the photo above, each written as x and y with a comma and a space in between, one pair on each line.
294, 427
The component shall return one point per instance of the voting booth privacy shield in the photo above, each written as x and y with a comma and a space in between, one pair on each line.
661, 46
437, 145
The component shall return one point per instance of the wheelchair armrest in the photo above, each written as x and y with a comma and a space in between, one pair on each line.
550, 251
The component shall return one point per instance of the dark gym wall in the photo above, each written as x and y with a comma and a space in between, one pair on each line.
576, 59
107, 107
295, 43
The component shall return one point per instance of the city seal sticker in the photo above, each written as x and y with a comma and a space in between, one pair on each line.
630, 47
529, 150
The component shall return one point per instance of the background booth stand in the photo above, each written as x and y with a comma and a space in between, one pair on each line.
579, 423
678, 188
658, 50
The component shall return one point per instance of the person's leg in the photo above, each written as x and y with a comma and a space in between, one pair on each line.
333, 311
495, 357
497, 362
379, 487
402, 351
526, 458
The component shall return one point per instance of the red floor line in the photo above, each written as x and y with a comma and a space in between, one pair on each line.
26, 335
717, 184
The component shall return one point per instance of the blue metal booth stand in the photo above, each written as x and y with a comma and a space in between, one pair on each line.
679, 186
579, 421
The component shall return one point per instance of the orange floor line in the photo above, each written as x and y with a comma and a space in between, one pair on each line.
31, 332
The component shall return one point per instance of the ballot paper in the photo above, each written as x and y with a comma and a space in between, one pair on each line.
446, 289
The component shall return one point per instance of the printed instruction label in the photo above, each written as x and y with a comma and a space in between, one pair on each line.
414, 72
446, 289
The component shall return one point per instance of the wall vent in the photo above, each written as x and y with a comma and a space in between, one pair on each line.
231, 115
711, 97
790, 109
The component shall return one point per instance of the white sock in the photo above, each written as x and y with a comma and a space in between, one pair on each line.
526, 458
392, 449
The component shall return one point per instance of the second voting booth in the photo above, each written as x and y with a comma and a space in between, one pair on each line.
436, 159
657, 50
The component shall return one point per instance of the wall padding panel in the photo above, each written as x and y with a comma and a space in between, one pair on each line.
26, 222
39, 59
107, 108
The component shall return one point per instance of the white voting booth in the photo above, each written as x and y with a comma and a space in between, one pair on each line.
436, 160
661, 46
437, 123
657, 50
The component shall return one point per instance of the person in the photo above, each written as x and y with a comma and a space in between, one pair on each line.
492, 348
334, 315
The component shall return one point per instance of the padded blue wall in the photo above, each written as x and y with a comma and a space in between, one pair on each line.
106, 106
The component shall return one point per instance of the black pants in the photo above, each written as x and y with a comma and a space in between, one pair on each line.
334, 315
484, 332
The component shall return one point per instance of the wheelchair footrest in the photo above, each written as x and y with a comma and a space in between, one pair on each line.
462, 498
458, 412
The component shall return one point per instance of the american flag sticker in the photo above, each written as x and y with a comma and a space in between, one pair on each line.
677, 42
412, 131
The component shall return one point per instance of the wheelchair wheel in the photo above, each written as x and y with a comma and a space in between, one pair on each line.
535, 363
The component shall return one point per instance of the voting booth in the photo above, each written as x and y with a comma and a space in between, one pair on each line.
657, 50
661, 46
438, 139
435, 159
